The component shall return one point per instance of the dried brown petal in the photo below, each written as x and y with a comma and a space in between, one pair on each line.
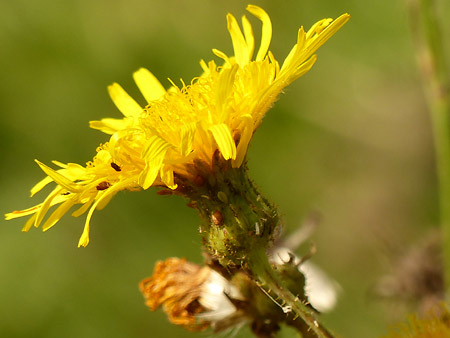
176, 286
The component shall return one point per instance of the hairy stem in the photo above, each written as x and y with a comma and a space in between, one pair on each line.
239, 226
304, 318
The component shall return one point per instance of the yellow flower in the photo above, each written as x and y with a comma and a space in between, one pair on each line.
151, 146
433, 324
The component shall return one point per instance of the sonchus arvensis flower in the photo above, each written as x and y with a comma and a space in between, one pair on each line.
182, 128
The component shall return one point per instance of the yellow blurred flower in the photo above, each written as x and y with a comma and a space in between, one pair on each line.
151, 146
435, 324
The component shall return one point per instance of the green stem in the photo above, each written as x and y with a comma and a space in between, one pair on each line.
436, 80
239, 226
304, 318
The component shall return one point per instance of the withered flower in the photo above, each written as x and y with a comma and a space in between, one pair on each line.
193, 296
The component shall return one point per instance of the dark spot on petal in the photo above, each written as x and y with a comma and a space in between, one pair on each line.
103, 185
115, 166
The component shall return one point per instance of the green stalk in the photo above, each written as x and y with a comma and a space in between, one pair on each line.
239, 226
303, 317
436, 81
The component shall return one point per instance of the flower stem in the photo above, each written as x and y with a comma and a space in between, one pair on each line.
304, 318
239, 226
426, 32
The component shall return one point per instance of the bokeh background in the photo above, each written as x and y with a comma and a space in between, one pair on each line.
350, 140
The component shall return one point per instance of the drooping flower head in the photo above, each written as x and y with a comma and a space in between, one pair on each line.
153, 145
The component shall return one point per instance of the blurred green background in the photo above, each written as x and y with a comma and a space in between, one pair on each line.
351, 139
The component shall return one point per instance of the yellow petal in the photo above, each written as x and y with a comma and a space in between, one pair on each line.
110, 126
327, 33
266, 35
167, 177
57, 214
105, 201
304, 68
224, 140
295, 55
246, 136
40, 185
249, 38
204, 66
74, 172
150, 172
103, 156
80, 211
23, 213
59, 179
105, 194
274, 62
46, 206
149, 85
35, 209
29, 224
301, 38
318, 27
222, 55
60, 164
153, 155
223, 91
126, 104
187, 138
241, 51
154, 147
84, 239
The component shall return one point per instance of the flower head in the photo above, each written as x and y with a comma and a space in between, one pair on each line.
155, 145
193, 296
